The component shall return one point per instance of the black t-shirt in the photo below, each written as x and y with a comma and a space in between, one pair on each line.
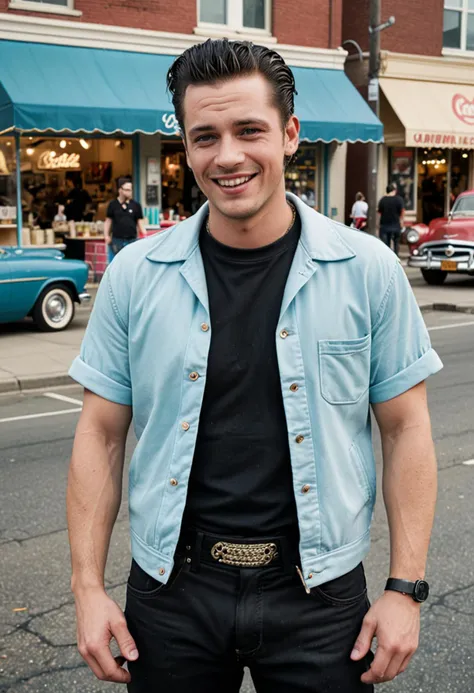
124, 218
241, 479
390, 208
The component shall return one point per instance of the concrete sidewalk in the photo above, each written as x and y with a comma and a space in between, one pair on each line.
31, 360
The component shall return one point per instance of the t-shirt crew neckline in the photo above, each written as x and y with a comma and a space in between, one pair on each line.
264, 252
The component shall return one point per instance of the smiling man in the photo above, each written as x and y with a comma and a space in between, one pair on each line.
248, 344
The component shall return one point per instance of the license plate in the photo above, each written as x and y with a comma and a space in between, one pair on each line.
449, 266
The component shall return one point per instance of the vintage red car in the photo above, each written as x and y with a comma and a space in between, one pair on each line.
447, 244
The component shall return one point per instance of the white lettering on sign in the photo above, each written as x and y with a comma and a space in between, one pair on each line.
49, 160
463, 108
170, 122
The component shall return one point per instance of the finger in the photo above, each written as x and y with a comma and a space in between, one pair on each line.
378, 668
364, 641
110, 667
394, 666
405, 663
124, 640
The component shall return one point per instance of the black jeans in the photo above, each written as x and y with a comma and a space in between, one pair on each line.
388, 235
196, 634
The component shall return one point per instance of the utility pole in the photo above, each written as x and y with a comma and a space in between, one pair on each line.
375, 27
374, 103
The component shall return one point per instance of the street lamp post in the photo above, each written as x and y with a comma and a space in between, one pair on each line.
375, 27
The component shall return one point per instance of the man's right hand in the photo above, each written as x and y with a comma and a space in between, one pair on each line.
99, 619
108, 240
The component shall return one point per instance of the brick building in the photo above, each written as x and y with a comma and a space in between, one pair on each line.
426, 100
91, 75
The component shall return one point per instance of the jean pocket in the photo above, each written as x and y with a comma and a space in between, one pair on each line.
344, 369
346, 590
143, 586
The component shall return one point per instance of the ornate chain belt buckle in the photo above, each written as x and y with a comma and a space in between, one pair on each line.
244, 555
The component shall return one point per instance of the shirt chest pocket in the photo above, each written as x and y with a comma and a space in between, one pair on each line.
344, 369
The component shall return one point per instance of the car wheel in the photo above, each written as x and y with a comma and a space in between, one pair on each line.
434, 277
54, 308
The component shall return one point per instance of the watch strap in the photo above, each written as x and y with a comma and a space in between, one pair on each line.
397, 585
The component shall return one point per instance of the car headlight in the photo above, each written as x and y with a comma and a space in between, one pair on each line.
413, 236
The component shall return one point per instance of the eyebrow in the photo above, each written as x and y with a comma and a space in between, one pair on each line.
238, 123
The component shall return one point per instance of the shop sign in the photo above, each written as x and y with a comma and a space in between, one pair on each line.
463, 109
49, 160
170, 122
439, 139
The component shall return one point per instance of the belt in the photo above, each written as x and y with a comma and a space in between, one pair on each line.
240, 553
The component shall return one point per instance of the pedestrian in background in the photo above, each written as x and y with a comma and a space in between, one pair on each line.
248, 347
391, 210
359, 212
124, 218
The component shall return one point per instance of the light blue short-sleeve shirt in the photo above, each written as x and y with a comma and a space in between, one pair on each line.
349, 334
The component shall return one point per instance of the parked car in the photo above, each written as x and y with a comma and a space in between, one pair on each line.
42, 284
447, 244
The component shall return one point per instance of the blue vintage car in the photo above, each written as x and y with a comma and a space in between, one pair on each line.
42, 284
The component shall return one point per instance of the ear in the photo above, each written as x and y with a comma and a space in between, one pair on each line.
292, 132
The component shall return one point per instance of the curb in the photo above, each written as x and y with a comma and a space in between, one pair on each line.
34, 382
447, 308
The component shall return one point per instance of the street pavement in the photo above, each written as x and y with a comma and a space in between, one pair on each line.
37, 631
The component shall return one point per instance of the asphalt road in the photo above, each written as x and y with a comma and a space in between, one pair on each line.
37, 631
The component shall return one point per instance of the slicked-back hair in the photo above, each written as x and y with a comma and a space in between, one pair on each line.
218, 60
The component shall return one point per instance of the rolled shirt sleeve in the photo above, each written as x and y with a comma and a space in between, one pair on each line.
402, 355
103, 364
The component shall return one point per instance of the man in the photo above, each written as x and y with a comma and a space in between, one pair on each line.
124, 218
77, 199
248, 344
392, 210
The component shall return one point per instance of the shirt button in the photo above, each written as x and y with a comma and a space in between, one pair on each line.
162, 571
185, 426
284, 334
299, 439
173, 482
193, 375
306, 488
294, 387
205, 327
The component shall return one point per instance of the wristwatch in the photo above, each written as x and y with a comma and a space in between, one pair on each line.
418, 591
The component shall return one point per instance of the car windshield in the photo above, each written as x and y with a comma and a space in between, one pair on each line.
464, 206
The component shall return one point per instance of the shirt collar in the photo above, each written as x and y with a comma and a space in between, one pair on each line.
319, 237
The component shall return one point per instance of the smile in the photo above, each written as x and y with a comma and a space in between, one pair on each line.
233, 182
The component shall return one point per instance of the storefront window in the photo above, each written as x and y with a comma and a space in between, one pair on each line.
8, 202
181, 194
432, 183
70, 179
303, 177
459, 178
402, 172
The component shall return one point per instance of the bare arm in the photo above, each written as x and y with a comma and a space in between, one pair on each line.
141, 227
93, 501
409, 490
409, 480
107, 230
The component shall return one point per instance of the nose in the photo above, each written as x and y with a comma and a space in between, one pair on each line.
229, 153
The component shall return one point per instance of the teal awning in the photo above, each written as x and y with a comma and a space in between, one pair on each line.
49, 88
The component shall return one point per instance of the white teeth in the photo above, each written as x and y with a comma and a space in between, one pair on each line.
234, 182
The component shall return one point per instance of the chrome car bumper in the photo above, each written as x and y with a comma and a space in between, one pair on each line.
84, 298
431, 257
435, 264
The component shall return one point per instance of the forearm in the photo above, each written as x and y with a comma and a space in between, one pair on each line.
409, 489
107, 228
93, 501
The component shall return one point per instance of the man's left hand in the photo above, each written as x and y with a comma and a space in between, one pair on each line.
394, 620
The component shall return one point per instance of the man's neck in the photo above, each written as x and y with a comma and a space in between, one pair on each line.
122, 199
267, 226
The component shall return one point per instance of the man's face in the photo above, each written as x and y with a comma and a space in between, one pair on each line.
235, 143
127, 191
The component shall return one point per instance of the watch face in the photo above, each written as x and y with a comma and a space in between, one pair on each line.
421, 591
